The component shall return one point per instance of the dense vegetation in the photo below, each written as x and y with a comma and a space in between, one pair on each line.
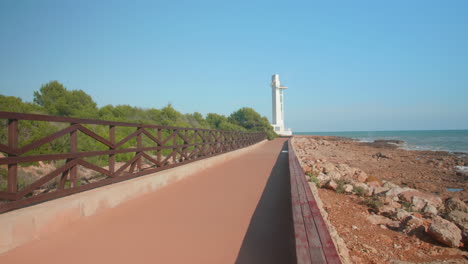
54, 99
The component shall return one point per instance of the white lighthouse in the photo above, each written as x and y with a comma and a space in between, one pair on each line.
278, 107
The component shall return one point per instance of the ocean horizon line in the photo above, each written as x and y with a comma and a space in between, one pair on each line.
404, 130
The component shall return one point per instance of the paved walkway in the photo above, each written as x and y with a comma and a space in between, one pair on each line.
236, 212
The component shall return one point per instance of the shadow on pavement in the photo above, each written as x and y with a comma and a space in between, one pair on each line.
270, 236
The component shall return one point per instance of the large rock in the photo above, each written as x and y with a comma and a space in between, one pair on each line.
334, 175
445, 232
394, 192
401, 214
430, 210
418, 203
412, 221
459, 218
386, 210
373, 181
389, 185
348, 188
328, 167
359, 176
455, 204
380, 190
332, 185
408, 195
345, 170
382, 220
323, 179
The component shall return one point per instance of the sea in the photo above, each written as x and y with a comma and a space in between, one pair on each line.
435, 140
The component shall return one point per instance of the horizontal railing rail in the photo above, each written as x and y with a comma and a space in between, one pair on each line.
145, 149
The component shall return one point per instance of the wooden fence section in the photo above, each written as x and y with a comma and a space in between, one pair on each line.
313, 241
152, 148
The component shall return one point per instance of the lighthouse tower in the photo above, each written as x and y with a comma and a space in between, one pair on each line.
278, 107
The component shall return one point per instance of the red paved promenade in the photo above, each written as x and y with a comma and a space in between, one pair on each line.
236, 212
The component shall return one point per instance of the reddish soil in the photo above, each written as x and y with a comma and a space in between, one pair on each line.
371, 243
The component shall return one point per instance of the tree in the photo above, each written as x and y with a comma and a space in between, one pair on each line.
57, 100
252, 121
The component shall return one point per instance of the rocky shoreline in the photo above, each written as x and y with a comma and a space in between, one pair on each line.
389, 205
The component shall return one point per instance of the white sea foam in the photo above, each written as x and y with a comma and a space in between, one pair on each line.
462, 169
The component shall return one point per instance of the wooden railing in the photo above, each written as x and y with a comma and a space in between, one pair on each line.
152, 148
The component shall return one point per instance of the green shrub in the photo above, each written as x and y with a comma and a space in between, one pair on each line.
359, 191
340, 188
373, 202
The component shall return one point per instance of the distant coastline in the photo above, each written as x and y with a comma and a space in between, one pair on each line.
435, 140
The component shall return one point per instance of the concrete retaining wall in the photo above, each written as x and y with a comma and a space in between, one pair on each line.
23, 225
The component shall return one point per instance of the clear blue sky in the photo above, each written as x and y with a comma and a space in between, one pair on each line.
350, 65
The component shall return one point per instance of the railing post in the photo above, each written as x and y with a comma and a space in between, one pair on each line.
112, 156
159, 131
73, 149
139, 146
174, 144
13, 144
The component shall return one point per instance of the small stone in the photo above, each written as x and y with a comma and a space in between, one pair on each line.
445, 232
332, 185
354, 227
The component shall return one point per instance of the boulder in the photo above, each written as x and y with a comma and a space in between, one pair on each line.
412, 221
445, 232
408, 195
430, 210
345, 169
459, 218
323, 179
418, 203
348, 188
359, 176
386, 210
401, 214
380, 190
389, 185
393, 192
373, 181
332, 185
382, 220
455, 204
334, 175
328, 167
